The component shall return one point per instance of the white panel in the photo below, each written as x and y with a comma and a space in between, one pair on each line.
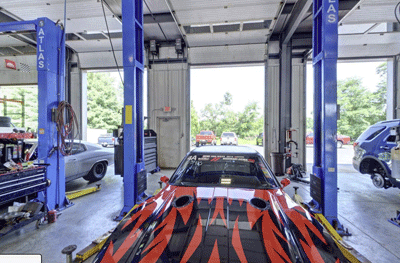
221, 15
95, 45
93, 24
232, 38
361, 39
227, 54
155, 6
272, 110
100, 60
168, 85
372, 11
19, 76
354, 29
30, 10
298, 113
198, 5
6, 41
384, 50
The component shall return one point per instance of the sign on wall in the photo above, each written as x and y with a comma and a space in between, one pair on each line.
11, 64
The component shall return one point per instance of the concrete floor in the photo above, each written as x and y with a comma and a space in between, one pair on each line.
362, 208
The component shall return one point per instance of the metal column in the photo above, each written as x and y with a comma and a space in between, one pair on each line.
325, 52
51, 71
133, 58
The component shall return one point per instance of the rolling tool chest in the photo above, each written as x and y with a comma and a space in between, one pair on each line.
18, 181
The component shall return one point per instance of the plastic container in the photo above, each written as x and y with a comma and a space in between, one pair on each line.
278, 163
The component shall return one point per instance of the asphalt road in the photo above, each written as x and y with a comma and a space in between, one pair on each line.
344, 157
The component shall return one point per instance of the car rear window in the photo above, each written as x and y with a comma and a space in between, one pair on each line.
228, 134
371, 133
237, 171
205, 133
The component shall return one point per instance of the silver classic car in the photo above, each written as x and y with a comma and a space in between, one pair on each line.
88, 160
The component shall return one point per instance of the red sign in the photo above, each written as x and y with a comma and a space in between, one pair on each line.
167, 109
11, 64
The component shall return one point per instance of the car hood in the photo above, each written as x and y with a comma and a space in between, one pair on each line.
203, 224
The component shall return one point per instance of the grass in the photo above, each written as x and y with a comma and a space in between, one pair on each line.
245, 141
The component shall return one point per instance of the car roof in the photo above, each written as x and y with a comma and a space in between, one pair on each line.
212, 149
388, 122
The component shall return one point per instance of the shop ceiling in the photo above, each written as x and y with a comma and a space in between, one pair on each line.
367, 28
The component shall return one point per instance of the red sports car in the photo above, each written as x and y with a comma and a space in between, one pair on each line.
222, 204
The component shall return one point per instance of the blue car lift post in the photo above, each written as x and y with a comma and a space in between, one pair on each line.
325, 53
133, 59
51, 71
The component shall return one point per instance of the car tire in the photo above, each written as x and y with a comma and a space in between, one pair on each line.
97, 172
339, 144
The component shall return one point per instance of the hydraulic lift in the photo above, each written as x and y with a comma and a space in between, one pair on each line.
51, 71
323, 179
133, 59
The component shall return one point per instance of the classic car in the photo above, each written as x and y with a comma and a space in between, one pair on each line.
222, 204
87, 160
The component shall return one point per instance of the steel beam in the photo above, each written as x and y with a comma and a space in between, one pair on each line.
325, 53
297, 15
133, 59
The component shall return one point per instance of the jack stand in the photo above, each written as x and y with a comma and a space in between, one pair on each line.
297, 198
396, 220
68, 252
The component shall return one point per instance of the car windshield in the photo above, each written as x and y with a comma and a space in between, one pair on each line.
228, 134
205, 133
239, 171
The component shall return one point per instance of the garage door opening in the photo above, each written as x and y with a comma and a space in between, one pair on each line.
105, 102
362, 92
228, 99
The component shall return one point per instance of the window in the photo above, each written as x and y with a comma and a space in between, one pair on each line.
239, 171
78, 148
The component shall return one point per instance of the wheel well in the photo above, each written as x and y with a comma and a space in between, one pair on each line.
371, 166
105, 162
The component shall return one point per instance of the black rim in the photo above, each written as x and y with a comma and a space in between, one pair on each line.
99, 169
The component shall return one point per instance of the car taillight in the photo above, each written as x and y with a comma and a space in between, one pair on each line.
235, 139
355, 144
113, 139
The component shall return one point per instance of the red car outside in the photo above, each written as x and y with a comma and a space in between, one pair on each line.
341, 139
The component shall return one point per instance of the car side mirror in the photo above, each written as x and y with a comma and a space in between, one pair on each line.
164, 179
285, 182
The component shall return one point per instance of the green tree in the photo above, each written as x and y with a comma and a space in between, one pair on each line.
14, 109
103, 106
309, 124
248, 124
359, 107
194, 120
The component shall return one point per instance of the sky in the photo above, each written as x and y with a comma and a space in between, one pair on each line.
366, 71
246, 84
